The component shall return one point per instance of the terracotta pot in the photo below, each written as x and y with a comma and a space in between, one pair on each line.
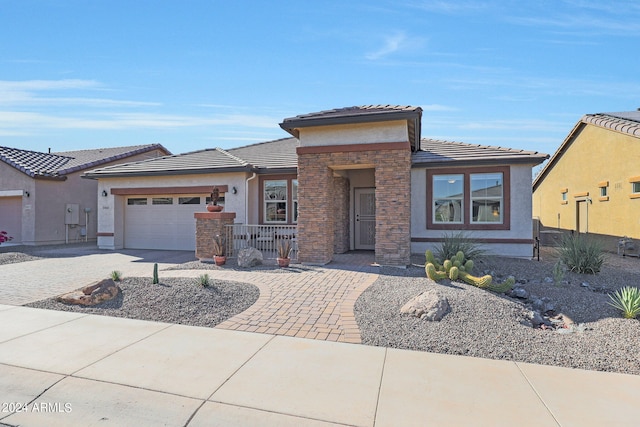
214, 208
220, 260
283, 262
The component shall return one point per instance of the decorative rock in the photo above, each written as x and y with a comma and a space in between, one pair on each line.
519, 293
101, 291
249, 257
429, 305
548, 280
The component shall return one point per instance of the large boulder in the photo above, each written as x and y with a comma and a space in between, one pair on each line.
96, 293
429, 305
249, 257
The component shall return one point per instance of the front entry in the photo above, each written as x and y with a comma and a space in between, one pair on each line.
365, 218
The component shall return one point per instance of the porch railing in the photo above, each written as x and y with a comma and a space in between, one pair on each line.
265, 238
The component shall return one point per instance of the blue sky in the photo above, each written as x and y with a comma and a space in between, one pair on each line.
195, 74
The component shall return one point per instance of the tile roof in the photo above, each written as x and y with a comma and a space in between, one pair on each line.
278, 154
434, 152
625, 122
56, 165
356, 111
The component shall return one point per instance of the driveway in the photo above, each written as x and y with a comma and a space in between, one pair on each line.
65, 269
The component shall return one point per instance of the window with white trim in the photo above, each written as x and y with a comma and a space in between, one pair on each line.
448, 198
275, 201
294, 199
486, 197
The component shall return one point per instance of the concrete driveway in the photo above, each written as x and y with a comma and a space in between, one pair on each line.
65, 269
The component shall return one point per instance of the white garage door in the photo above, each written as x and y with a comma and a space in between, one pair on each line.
11, 217
162, 222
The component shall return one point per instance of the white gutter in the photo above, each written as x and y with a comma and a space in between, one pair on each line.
246, 198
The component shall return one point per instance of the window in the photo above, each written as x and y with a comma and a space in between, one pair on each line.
603, 192
635, 187
275, 201
294, 199
162, 201
448, 199
137, 201
278, 199
468, 199
188, 200
486, 197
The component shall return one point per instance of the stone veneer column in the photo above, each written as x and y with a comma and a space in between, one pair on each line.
341, 215
393, 207
315, 209
208, 225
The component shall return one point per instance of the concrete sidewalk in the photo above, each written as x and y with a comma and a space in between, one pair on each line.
69, 369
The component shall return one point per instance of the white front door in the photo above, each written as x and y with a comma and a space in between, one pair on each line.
365, 218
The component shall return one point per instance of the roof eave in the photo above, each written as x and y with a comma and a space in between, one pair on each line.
98, 175
533, 161
290, 125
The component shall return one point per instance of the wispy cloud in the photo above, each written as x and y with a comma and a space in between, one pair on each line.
394, 43
449, 7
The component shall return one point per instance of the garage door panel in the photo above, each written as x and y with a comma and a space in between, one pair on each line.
11, 217
161, 226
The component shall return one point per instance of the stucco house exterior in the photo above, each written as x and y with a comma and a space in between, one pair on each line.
591, 184
357, 178
44, 200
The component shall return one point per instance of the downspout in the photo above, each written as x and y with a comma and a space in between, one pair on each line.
246, 198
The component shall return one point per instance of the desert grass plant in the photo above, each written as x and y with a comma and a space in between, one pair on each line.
204, 281
581, 254
219, 245
116, 276
458, 242
284, 248
626, 300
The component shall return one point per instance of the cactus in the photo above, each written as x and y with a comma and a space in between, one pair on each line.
434, 274
459, 268
155, 274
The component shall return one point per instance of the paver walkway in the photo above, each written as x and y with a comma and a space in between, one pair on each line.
303, 301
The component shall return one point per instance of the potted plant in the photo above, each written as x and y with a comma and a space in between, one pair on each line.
213, 206
4, 237
284, 250
219, 250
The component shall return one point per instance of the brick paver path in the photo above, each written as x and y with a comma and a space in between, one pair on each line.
306, 301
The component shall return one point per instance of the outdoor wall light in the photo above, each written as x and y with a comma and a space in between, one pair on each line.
104, 193
234, 190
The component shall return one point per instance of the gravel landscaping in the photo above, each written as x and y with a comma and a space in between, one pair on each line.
175, 300
483, 324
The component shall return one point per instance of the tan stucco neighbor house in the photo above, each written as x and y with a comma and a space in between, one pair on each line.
43, 199
357, 178
591, 184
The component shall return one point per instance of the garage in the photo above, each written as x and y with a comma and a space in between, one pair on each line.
11, 216
162, 221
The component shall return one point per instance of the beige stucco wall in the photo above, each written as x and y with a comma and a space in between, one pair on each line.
111, 208
596, 155
362, 133
520, 219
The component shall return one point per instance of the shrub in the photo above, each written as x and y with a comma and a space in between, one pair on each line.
581, 254
203, 280
116, 275
219, 245
456, 242
627, 300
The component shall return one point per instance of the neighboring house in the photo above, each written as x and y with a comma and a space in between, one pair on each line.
592, 182
43, 199
358, 178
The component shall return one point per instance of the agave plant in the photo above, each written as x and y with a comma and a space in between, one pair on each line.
626, 300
